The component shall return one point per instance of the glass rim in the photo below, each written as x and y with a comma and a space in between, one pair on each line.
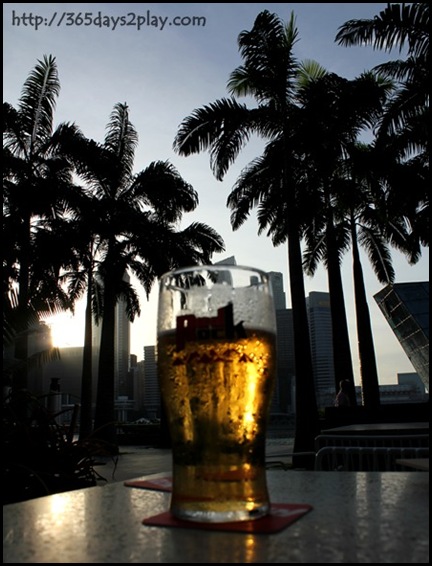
213, 267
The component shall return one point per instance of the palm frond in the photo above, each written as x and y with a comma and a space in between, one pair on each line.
314, 252
397, 26
15, 139
130, 298
38, 101
401, 69
222, 127
121, 140
204, 239
269, 64
161, 187
256, 182
76, 282
378, 253
309, 70
404, 238
63, 137
408, 107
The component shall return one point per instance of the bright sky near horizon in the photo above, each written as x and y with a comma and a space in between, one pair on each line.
165, 60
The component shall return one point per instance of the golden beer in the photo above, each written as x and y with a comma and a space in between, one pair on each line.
217, 391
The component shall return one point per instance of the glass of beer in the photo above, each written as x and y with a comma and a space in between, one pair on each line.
216, 365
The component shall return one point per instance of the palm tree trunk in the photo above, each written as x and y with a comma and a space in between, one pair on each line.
87, 377
342, 359
368, 367
20, 376
104, 427
307, 423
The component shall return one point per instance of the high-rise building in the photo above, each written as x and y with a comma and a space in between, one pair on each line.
225, 276
276, 282
285, 365
138, 386
282, 402
127, 386
406, 309
152, 398
121, 348
320, 329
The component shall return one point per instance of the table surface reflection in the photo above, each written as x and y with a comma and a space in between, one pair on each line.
357, 517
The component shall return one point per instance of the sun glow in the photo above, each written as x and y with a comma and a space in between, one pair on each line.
67, 330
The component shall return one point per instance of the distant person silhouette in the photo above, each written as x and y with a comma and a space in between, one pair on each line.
342, 398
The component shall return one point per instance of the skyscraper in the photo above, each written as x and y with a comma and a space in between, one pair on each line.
276, 281
282, 402
121, 347
285, 364
152, 398
320, 328
406, 309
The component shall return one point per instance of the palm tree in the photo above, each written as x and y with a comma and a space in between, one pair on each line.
349, 223
332, 113
78, 278
363, 213
35, 181
269, 74
335, 112
396, 27
402, 138
405, 125
134, 219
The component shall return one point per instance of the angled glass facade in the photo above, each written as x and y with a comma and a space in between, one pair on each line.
406, 309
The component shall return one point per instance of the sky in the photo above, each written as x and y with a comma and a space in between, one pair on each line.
164, 61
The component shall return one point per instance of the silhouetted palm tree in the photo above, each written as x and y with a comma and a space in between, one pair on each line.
400, 26
134, 219
331, 115
269, 74
36, 179
79, 280
335, 113
405, 125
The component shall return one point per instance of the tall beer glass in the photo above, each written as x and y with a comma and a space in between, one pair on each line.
216, 365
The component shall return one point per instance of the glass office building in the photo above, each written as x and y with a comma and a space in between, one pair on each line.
406, 308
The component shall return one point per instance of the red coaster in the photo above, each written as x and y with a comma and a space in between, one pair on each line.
281, 516
158, 484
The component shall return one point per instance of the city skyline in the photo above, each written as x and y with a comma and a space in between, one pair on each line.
138, 342
320, 330
142, 394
